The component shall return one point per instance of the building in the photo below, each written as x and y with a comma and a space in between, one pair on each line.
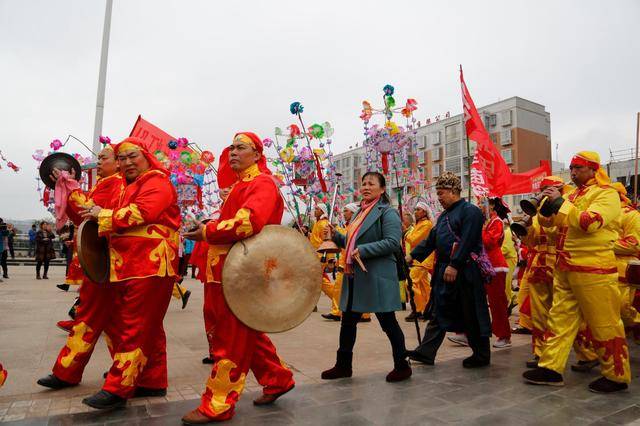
521, 129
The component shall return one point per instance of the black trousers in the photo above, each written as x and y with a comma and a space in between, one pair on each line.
434, 334
39, 264
388, 323
3, 262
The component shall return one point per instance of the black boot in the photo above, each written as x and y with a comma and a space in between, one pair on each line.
400, 372
63, 287
604, 385
342, 367
149, 392
52, 382
104, 400
411, 317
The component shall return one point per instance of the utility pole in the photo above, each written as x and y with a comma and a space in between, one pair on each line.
102, 77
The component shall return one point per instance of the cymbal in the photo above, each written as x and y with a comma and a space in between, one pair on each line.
93, 252
61, 161
271, 281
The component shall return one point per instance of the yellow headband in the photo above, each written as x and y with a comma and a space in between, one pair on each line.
244, 139
127, 146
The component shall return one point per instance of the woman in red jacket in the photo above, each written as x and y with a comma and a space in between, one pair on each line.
492, 236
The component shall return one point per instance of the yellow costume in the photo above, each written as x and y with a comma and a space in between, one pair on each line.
178, 291
511, 256
328, 286
585, 280
419, 271
626, 248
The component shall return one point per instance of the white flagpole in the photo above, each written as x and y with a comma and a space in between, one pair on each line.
102, 77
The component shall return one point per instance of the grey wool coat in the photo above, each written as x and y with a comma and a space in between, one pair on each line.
377, 290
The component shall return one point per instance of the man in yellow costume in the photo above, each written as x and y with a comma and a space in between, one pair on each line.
538, 278
315, 237
419, 272
585, 279
511, 257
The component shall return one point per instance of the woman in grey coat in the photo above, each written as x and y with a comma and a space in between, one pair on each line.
371, 243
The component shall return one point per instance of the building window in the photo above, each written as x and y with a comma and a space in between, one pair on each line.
433, 138
452, 132
435, 154
492, 120
435, 170
337, 164
453, 165
473, 147
507, 154
423, 157
356, 160
346, 162
423, 142
452, 149
505, 137
505, 118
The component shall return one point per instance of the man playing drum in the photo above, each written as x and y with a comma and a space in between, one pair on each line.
253, 203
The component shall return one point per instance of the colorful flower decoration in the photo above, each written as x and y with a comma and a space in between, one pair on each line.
105, 140
55, 144
388, 90
207, 157
296, 108
316, 131
172, 144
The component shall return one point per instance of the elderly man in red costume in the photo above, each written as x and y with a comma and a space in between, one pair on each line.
253, 203
142, 230
585, 289
91, 314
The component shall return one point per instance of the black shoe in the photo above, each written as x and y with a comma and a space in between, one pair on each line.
520, 330
149, 392
584, 366
105, 374
330, 317
52, 382
207, 360
63, 287
38, 277
418, 357
5, 276
44, 277
104, 400
543, 376
185, 298
533, 363
604, 385
399, 373
341, 369
364, 319
411, 317
473, 362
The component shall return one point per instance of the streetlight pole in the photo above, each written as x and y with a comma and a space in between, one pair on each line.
102, 77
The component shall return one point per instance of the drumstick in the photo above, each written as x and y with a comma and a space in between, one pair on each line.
357, 258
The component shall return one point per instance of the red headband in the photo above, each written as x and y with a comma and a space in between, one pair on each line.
583, 162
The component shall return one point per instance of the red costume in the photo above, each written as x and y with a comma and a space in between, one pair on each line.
492, 236
143, 246
253, 203
91, 314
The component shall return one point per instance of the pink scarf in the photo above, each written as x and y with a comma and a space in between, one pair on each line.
64, 186
354, 228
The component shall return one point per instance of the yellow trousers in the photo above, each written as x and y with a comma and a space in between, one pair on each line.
541, 299
629, 314
524, 320
177, 288
592, 299
511, 264
421, 287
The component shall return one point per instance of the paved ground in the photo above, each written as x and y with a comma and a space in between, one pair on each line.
443, 394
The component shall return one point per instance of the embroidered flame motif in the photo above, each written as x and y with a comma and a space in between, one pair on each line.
616, 348
131, 363
244, 228
214, 254
116, 262
588, 218
76, 343
164, 254
132, 213
221, 385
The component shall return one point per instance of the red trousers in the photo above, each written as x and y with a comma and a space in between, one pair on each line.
498, 306
236, 350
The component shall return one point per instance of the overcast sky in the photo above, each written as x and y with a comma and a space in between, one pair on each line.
206, 69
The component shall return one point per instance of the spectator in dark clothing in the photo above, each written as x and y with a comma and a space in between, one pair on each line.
44, 249
32, 240
4, 243
10, 237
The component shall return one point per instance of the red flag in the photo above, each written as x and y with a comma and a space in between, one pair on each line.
156, 138
529, 182
489, 172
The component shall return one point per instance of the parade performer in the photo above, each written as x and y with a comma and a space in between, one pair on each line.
91, 314
492, 238
510, 253
459, 301
253, 203
585, 279
419, 271
315, 237
538, 277
143, 246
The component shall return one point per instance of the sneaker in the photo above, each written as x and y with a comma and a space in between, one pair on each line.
543, 376
584, 366
502, 343
459, 339
604, 385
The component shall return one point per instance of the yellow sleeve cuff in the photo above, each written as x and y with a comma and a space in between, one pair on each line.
105, 221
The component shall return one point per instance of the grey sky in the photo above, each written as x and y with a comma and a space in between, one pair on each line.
206, 69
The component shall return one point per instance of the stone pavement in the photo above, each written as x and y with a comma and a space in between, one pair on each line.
443, 394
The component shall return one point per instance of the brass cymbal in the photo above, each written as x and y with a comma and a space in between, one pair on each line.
271, 281
61, 161
93, 252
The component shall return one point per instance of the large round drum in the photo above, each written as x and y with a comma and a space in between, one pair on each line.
633, 273
271, 281
93, 252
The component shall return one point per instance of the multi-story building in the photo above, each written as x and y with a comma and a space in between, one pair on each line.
352, 165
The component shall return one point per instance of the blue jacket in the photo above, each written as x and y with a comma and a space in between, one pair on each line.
377, 290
